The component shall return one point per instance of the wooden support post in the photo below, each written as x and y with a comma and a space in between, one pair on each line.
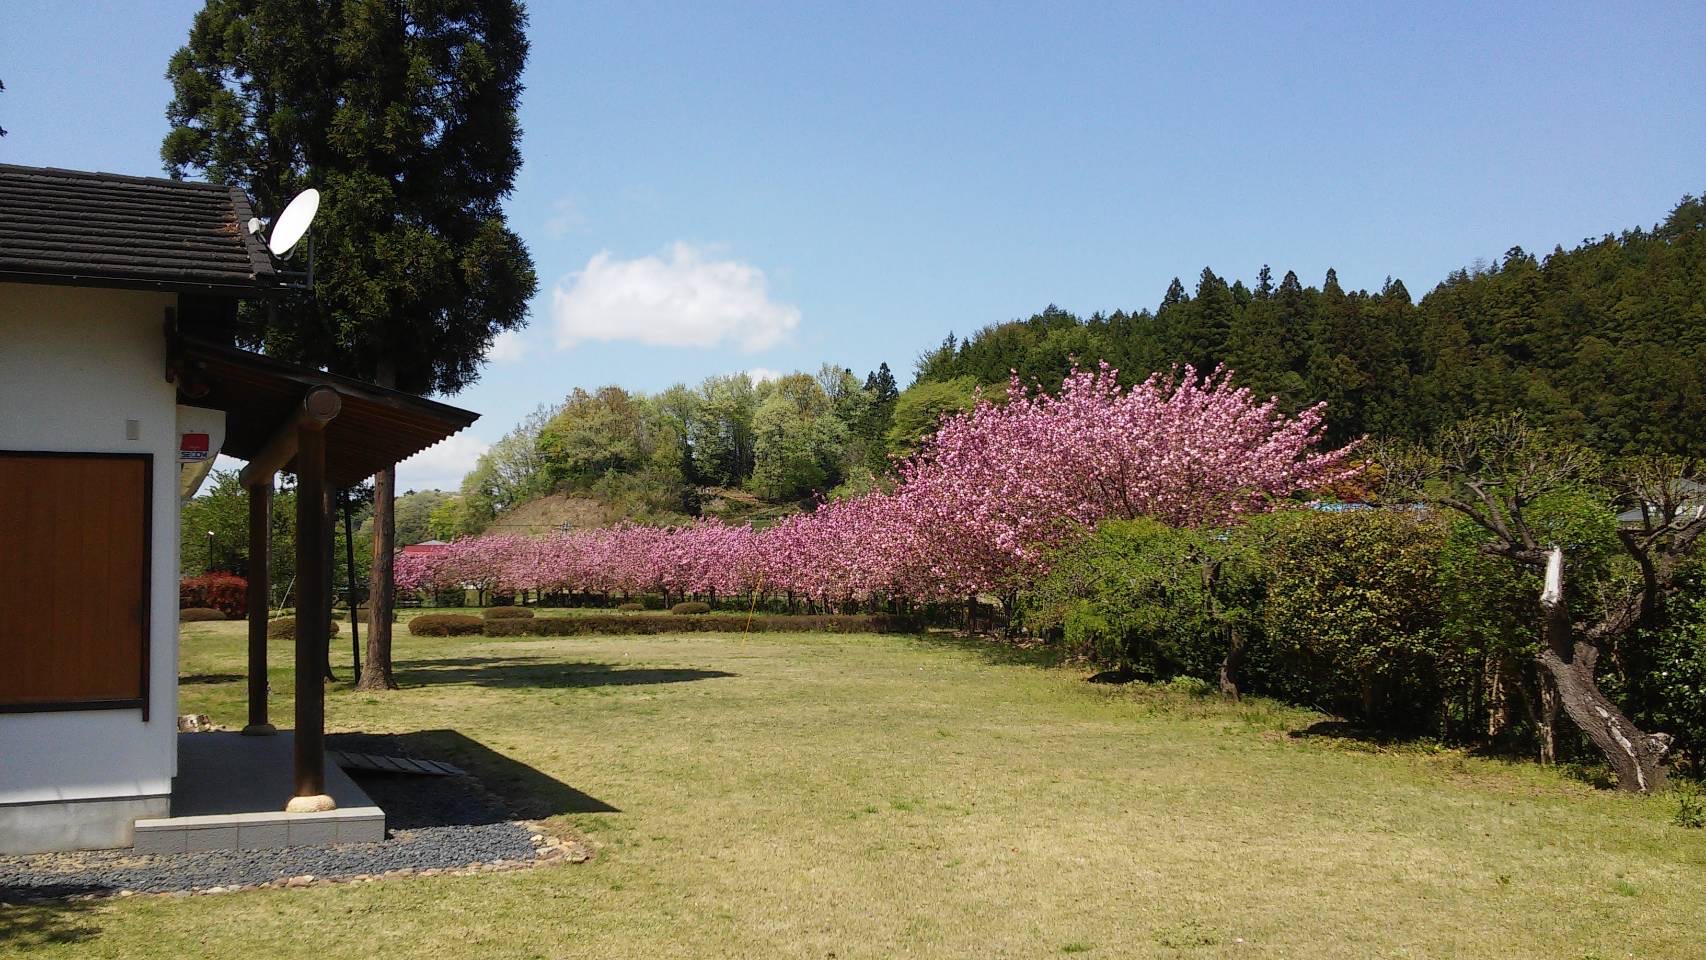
313, 583
260, 576
319, 405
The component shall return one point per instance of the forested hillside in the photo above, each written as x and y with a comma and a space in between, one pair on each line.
1605, 343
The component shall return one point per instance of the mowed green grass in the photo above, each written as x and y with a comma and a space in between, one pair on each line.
866, 796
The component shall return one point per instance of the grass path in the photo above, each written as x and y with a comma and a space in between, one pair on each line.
863, 796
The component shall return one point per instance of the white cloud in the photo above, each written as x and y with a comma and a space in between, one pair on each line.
442, 466
507, 347
761, 374
683, 299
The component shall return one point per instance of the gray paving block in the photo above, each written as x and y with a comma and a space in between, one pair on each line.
264, 835
210, 838
305, 831
158, 841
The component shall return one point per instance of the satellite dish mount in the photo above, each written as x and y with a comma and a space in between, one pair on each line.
289, 229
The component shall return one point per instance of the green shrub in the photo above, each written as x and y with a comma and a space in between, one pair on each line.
449, 625
690, 607
1355, 598
284, 628
631, 607
200, 615
1690, 808
507, 613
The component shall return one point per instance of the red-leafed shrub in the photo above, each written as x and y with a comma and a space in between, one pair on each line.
219, 591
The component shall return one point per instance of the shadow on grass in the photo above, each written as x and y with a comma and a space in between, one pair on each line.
211, 678
1341, 730
540, 672
996, 650
527, 791
26, 925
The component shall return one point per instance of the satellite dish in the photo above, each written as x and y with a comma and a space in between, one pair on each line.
294, 222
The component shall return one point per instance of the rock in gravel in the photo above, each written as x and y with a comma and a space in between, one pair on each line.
301, 881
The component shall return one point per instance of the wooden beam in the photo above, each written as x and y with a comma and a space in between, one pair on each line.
260, 576
319, 405
313, 582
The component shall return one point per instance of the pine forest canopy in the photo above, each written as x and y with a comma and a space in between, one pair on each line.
1603, 343
407, 125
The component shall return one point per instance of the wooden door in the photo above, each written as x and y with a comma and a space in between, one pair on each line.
74, 563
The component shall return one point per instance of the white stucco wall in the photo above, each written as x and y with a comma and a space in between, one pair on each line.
75, 365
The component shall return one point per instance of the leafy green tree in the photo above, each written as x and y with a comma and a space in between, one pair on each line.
921, 407
722, 435
448, 519
407, 126
798, 440
590, 435
222, 507
414, 515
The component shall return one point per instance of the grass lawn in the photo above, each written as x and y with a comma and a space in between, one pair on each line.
865, 796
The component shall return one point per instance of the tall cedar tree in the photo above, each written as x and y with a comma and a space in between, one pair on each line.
403, 114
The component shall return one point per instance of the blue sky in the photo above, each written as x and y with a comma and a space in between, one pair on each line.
719, 187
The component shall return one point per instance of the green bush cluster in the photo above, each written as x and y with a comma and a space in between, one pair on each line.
630, 607
507, 613
691, 607
449, 624
201, 615
284, 628
1394, 619
626, 623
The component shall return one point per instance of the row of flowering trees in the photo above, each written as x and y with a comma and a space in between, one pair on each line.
980, 509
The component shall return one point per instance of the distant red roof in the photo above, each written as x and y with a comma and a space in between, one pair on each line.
425, 548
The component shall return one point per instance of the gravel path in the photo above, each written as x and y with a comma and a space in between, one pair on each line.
435, 823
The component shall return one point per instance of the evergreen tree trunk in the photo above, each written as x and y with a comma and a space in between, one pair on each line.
381, 578
1636, 757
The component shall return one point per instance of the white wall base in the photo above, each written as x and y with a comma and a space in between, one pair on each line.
75, 824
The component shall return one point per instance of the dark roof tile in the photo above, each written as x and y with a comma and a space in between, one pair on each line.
68, 226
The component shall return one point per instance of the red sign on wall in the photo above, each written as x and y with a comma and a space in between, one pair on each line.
192, 447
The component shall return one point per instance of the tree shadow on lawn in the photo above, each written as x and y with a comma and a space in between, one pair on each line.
211, 678
411, 801
542, 672
33, 924
995, 650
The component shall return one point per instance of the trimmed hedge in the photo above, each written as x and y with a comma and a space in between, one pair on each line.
507, 613
200, 615
690, 606
631, 607
284, 628
671, 623
450, 624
